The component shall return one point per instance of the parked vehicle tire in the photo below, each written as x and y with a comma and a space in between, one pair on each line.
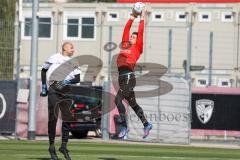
80, 134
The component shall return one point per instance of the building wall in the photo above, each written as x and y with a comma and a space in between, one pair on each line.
156, 49
180, 1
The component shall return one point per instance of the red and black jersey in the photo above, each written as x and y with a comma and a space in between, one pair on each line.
129, 54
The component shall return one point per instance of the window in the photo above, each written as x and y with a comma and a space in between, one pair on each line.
88, 28
157, 17
227, 17
72, 28
181, 16
112, 16
77, 28
44, 29
201, 82
204, 17
224, 82
27, 27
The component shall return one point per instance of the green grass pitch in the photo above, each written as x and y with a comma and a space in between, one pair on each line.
82, 150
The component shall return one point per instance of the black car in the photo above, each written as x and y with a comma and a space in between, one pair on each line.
86, 109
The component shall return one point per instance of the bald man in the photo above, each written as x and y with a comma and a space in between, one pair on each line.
56, 96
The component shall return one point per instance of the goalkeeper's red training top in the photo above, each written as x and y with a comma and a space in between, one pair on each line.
129, 54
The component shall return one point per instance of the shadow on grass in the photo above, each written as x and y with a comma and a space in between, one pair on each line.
108, 158
42, 158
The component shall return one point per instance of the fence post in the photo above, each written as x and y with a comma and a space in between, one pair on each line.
107, 89
238, 39
169, 50
210, 59
158, 114
17, 43
105, 111
188, 65
110, 54
33, 77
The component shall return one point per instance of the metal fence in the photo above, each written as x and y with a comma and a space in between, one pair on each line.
6, 49
169, 112
215, 49
165, 45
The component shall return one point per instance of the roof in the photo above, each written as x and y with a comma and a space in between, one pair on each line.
179, 1
216, 90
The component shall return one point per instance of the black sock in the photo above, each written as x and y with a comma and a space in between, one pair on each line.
121, 110
51, 145
51, 142
123, 120
64, 145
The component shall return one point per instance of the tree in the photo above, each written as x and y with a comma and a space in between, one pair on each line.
7, 16
7, 9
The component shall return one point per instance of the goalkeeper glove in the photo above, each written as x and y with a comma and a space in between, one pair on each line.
44, 91
62, 86
66, 82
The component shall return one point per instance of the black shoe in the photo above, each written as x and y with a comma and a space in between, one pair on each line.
52, 152
65, 151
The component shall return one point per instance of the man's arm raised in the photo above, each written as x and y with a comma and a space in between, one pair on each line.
125, 37
141, 31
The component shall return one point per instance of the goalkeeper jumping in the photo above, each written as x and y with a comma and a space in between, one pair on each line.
132, 48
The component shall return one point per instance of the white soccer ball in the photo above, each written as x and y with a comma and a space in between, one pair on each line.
137, 8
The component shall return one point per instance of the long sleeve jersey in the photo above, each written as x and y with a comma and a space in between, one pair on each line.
129, 54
